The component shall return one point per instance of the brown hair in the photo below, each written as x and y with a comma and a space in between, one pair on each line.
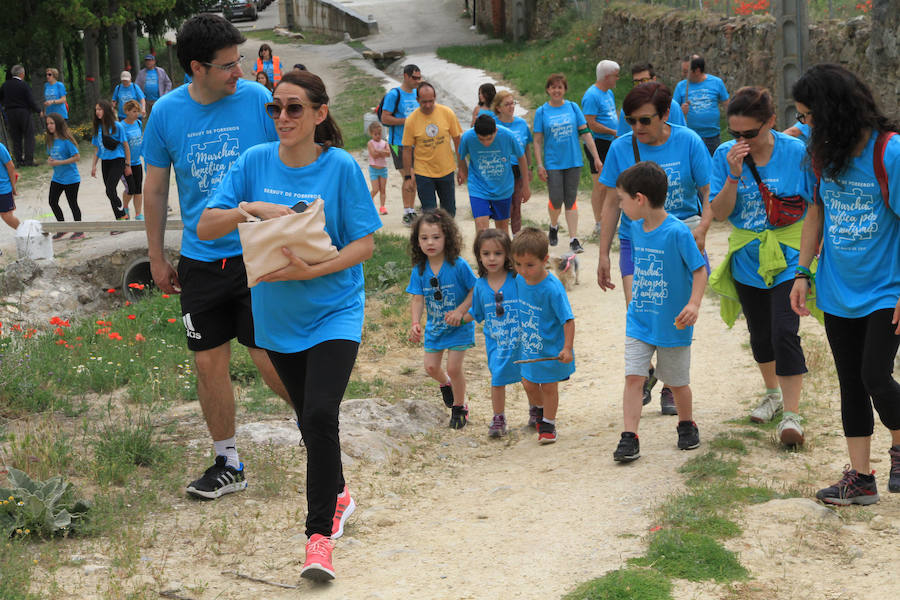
751, 101
109, 117
62, 130
531, 240
132, 104
556, 78
499, 98
496, 235
452, 237
652, 92
327, 132
647, 178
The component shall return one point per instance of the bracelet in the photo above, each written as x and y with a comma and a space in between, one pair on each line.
804, 272
802, 276
732, 177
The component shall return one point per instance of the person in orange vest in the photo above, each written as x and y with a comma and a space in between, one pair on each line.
268, 63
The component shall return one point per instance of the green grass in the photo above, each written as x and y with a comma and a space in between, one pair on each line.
691, 556
707, 467
625, 584
361, 92
120, 448
15, 570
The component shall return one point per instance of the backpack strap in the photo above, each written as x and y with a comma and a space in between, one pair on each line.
634, 149
878, 164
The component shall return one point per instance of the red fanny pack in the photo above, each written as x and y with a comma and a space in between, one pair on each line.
781, 211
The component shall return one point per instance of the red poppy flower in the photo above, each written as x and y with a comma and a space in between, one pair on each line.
132, 317
139, 338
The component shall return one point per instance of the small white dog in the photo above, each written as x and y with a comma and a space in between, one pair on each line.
566, 269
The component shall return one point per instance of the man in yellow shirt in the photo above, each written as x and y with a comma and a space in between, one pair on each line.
427, 133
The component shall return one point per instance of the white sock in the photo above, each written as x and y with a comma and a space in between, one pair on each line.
546, 420
228, 449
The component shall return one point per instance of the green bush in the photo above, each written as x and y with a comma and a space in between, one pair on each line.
45, 508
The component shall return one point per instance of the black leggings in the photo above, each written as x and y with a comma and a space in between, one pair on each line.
134, 181
773, 327
71, 190
864, 351
315, 380
113, 170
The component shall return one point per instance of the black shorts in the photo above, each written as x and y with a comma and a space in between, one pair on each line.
135, 181
517, 172
397, 155
215, 303
602, 148
6, 202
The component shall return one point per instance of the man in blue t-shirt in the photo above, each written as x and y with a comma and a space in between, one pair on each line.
126, 91
200, 129
399, 103
599, 107
153, 80
701, 96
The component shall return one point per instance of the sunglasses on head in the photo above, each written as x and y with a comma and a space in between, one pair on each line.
747, 135
642, 120
437, 292
802, 116
498, 301
294, 109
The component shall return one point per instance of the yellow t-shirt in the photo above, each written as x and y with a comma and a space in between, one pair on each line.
431, 135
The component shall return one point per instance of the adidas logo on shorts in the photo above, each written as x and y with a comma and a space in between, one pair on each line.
189, 327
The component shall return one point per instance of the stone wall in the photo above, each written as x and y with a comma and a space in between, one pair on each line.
326, 16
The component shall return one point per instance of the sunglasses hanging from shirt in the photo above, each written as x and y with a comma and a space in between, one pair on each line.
781, 211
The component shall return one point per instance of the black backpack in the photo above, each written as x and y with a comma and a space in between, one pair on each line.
380, 108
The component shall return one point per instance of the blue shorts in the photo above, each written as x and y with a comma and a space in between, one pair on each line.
377, 173
7, 203
626, 263
498, 210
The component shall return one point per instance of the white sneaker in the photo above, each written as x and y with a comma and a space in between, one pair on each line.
770, 406
789, 430
597, 228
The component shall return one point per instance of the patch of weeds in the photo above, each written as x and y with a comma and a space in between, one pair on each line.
16, 565
241, 368
259, 399
751, 434
360, 94
120, 449
710, 466
271, 468
625, 584
358, 388
389, 264
266, 35
691, 556
42, 450
727, 441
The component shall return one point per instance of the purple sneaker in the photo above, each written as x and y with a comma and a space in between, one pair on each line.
498, 427
535, 414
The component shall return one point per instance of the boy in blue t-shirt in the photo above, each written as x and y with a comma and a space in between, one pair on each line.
548, 329
669, 279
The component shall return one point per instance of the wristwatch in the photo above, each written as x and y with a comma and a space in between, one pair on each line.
405, 177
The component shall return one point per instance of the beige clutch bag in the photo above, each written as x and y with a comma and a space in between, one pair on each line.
303, 233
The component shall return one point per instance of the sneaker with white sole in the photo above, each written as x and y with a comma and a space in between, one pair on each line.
629, 448
497, 427
789, 430
343, 508
553, 235
318, 566
546, 432
218, 480
894, 477
853, 488
575, 246
667, 402
770, 406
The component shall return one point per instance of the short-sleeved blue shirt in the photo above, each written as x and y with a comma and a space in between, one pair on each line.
118, 133
401, 104
61, 150
519, 128
123, 94
454, 282
543, 311
602, 105
704, 98
55, 91
490, 167
503, 334
135, 134
5, 183
560, 125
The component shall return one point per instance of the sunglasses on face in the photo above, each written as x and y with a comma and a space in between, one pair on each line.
747, 135
49, 74
437, 292
498, 301
294, 110
642, 120
641, 80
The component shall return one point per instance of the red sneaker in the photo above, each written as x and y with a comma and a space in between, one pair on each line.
318, 565
546, 433
342, 510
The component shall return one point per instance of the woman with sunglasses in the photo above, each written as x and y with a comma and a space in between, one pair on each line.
856, 215
55, 95
756, 246
307, 317
685, 159
505, 107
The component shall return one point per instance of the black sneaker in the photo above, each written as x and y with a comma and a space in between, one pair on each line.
629, 448
688, 435
853, 488
535, 414
667, 402
546, 432
447, 395
575, 246
894, 481
59, 235
648, 386
459, 417
408, 218
553, 234
218, 480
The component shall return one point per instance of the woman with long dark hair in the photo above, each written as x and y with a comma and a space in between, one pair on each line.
307, 317
63, 156
112, 152
856, 218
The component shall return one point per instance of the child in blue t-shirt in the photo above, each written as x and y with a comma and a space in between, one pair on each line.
63, 156
669, 279
495, 301
8, 178
548, 329
134, 132
441, 284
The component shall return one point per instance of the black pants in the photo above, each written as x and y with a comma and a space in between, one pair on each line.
315, 380
113, 170
71, 190
773, 327
864, 351
21, 129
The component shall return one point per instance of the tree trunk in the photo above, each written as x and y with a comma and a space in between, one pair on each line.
131, 47
116, 53
91, 68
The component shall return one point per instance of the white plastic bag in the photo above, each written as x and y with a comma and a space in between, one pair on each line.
32, 242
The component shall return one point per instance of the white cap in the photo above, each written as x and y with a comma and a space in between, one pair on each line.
125, 75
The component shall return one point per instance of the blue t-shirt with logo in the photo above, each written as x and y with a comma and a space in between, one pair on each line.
705, 96
61, 150
683, 157
5, 183
490, 167
543, 311
805, 131
664, 263
859, 268
602, 105
503, 334
202, 141
560, 125
151, 84
117, 133
784, 175
55, 91
135, 134
292, 316
454, 282
521, 131
676, 117
123, 94
401, 104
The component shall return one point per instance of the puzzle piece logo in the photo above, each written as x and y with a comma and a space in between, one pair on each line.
752, 213
505, 331
532, 342
210, 161
649, 289
851, 216
675, 195
439, 308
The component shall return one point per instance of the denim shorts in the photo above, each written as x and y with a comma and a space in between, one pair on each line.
377, 173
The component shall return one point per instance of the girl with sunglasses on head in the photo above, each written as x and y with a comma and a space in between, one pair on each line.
441, 286
855, 219
686, 161
765, 244
308, 317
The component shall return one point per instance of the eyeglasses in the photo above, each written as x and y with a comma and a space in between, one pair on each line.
641, 80
802, 116
641, 120
498, 301
747, 135
511, 103
437, 292
294, 110
49, 74
416, 77
229, 67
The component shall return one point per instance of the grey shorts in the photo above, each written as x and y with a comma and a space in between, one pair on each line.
673, 365
562, 186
